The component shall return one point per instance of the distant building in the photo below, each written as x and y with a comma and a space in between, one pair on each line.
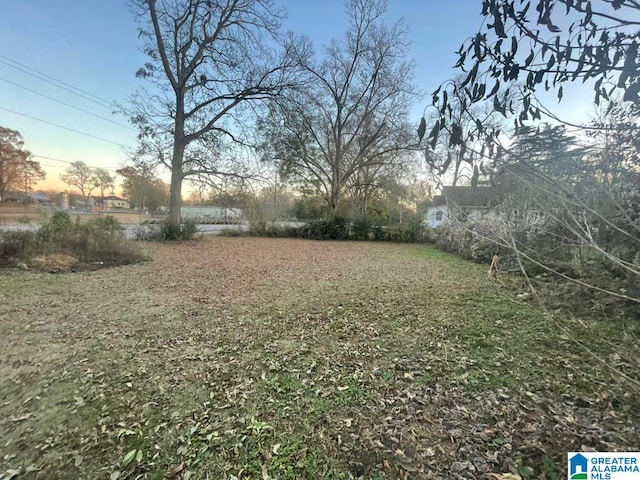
113, 202
461, 203
211, 214
42, 198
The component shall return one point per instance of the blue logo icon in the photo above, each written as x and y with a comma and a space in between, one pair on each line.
578, 465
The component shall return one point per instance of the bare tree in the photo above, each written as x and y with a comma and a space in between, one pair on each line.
352, 114
81, 176
209, 61
103, 180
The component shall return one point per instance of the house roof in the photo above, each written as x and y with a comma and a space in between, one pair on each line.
110, 197
41, 197
481, 196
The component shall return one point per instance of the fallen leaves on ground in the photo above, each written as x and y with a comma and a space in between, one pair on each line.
271, 358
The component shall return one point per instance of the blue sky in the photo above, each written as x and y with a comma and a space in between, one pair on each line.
93, 45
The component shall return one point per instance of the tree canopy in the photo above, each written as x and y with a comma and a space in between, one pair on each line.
18, 170
143, 188
81, 176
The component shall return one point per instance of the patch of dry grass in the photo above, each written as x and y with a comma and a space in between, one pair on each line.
272, 358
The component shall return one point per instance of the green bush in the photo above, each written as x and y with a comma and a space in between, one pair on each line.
231, 232
361, 229
258, 228
188, 229
377, 232
168, 231
336, 229
341, 229
55, 230
269, 229
103, 240
17, 246
408, 232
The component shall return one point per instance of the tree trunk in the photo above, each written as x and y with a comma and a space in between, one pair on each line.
335, 200
335, 193
177, 161
175, 199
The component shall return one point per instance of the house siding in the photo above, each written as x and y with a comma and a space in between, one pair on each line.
433, 219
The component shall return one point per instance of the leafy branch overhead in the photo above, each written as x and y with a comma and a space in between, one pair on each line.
528, 45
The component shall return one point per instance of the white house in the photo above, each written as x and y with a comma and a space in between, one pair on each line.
115, 202
463, 203
109, 203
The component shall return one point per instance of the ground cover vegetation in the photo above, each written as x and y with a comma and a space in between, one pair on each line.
60, 244
284, 358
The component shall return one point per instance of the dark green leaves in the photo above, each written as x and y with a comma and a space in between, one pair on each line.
632, 93
475, 177
498, 25
422, 129
456, 135
494, 90
433, 135
498, 107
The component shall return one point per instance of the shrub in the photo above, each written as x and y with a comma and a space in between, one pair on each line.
169, 231
336, 229
262, 228
258, 228
361, 229
188, 229
377, 231
17, 246
55, 229
411, 231
231, 232
146, 232
103, 240
99, 241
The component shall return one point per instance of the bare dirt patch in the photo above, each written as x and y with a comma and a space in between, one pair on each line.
271, 358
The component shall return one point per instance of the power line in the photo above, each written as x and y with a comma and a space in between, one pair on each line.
114, 170
66, 104
51, 158
63, 127
58, 83
56, 80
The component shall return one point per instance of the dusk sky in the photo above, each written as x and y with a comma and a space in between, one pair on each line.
92, 45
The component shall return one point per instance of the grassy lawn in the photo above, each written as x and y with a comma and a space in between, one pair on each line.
237, 358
